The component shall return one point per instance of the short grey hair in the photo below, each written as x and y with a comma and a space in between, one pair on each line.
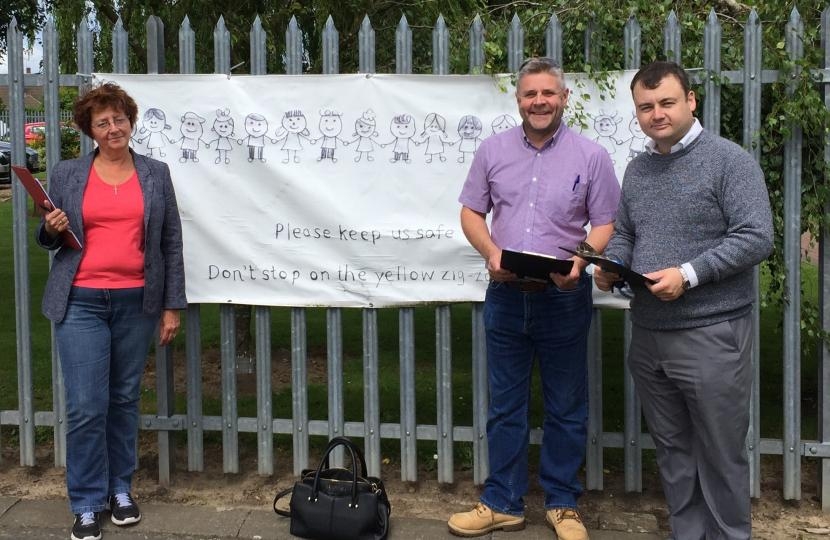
541, 64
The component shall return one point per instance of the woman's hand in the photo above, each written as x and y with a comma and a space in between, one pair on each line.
169, 326
55, 222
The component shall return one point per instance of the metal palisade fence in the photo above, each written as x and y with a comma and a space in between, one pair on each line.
166, 419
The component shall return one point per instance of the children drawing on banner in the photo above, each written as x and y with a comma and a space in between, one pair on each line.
192, 129
256, 126
365, 133
469, 129
637, 142
503, 123
605, 125
331, 124
153, 124
403, 129
134, 135
435, 135
294, 126
223, 128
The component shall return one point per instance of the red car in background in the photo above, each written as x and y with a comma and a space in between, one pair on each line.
34, 131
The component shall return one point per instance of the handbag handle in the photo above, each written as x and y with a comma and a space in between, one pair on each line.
355, 453
358, 464
280, 495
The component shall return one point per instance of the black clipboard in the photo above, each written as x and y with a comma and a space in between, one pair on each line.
608, 265
38, 195
536, 266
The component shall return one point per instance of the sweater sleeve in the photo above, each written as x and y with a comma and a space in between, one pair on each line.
749, 233
621, 245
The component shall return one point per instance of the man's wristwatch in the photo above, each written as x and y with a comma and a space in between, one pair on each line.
683, 275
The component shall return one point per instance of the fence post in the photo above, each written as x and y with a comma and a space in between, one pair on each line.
792, 258
299, 345
334, 320
193, 315
443, 388
187, 47
84, 39
22, 293
595, 444
752, 127
259, 53
366, 48
440, 48
403, 47
476, 45
515, 44
155, 44
671, 39
120, 56
409, 448
632, 422
230, 418
481, 465
824, 296
53, 152
406, 316
371, 405
711, 69
632, 43
553, 39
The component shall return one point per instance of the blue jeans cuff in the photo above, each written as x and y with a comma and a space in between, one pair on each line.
495, 508
92, 508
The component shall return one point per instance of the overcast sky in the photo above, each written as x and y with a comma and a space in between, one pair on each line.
31, 59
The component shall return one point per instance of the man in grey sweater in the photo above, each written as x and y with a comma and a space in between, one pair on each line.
694, 217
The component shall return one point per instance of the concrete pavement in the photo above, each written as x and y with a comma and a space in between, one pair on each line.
25, 519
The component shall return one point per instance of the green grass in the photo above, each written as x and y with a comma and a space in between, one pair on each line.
612, 347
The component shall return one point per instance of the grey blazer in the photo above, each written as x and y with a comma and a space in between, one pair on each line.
163, 261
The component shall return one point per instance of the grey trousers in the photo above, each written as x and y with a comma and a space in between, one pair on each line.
695, 386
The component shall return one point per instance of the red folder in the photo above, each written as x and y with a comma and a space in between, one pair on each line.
39, 195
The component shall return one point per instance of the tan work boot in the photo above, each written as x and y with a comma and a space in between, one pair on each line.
567, 524
481, 520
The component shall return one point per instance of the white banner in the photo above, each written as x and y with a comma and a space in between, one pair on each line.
337, 190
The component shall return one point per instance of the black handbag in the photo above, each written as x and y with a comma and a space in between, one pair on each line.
336, 503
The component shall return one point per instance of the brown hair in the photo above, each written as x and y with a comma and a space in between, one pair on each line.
651, 75
103, 96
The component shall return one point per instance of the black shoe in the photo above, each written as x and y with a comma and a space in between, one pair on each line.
87, 526
124, 509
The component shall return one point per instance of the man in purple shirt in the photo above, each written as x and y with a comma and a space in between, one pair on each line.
543, 183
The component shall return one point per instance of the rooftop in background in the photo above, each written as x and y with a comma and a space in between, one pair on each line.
32, 97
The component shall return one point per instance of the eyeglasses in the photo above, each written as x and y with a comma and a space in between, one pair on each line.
119, 121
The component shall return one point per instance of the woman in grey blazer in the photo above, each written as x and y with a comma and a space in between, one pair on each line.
107, 299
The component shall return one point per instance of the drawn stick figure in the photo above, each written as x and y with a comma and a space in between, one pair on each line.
256, 126
292, 130
435, 135
153, 124
365, 136
331, 124
223, 128
503, 123
469, 129
403, 130
192, 129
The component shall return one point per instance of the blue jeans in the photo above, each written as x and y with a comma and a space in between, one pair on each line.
551, 326
103, 343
